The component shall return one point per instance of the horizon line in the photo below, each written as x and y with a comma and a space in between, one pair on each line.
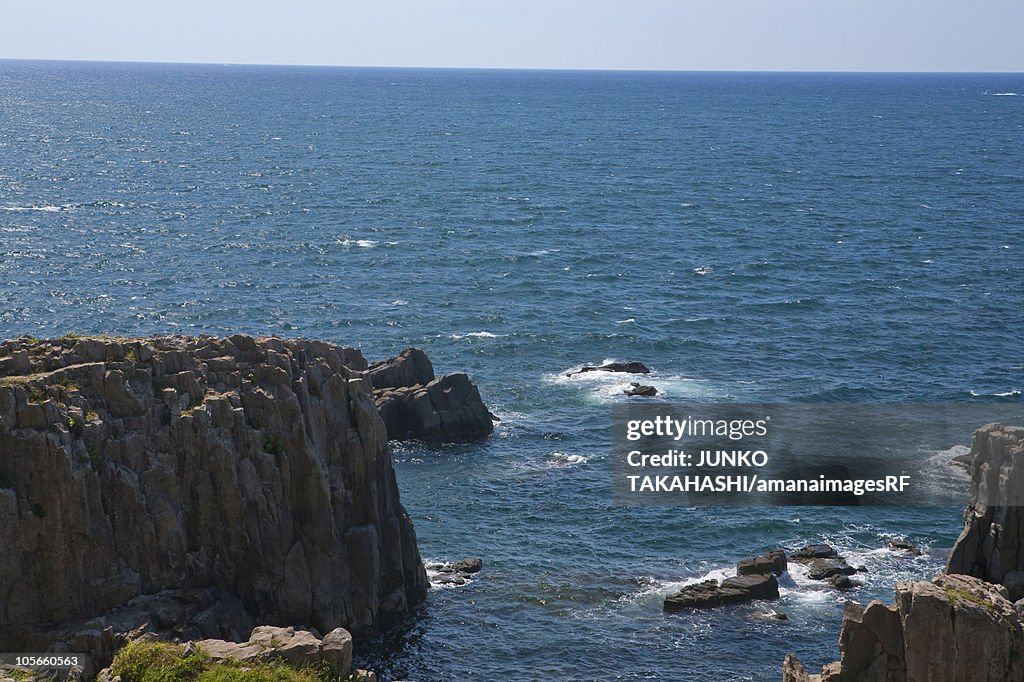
506, 68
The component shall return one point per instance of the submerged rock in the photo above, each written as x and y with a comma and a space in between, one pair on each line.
150, 482
905, 546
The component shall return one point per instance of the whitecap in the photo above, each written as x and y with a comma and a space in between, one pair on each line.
562, 459
361, 243
628, 320
1003, 394
44, 209
703, 270
476, 335
399, 301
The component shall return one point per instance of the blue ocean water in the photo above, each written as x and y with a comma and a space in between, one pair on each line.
751, 237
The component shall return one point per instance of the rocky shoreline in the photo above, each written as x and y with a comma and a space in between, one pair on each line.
193, 489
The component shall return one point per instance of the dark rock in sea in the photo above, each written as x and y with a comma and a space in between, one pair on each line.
811, 552
841, 581
411, 367
823, 569
194, 485
636, 389
626, 367
446, 410
773, 562
709, 594
415, 405
468, 566
907, 547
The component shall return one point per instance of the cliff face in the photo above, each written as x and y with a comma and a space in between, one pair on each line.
991, 545
954, 629
254, 468
967, 625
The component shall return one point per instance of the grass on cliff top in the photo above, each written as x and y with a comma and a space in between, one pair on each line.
165, 662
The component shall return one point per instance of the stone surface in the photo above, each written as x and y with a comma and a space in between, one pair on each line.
808, 553
624, 367
448, 409
183, 473
954, 628
903, 545
991, 545
411, 367
468, 566
773, 562
336, 650
709, 594
640, 390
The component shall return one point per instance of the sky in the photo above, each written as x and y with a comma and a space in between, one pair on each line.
732, 35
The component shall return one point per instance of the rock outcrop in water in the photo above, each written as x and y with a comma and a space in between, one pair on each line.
955, 628
991, 545
194, 485
966, 625
415, 405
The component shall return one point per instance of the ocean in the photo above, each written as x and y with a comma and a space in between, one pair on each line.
750, 237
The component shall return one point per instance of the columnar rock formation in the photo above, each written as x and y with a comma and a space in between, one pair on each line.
967, 625
991, 545
413, 404
255, 470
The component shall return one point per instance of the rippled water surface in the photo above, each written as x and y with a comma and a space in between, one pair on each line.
750, 237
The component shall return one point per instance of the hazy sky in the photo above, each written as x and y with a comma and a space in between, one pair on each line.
861, 35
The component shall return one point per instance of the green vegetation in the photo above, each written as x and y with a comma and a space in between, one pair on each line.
956, 595
92, 416
37, 394
130, 356
165, 662
96, 457
187, 412
273, 445
70, 336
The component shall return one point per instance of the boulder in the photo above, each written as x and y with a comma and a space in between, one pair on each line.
639, 390
468, 566
625, 367
448, 409
336, 649
773, 562
824, 569
299, 647
709, 594
411, 367
904, 546
808, 553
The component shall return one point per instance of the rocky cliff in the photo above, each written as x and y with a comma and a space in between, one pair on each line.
991, 545
967, 625
175, 475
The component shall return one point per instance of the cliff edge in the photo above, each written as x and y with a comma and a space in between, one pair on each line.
195, 484
966, 625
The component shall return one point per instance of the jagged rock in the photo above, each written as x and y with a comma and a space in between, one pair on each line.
955, 628
710, 594
336, 650
468, 566
626, 367
411, 367
823, 569
448, 409
635, 390
773, 562
810, 552
991, 545
299, 647
219, 650
905, 546
258, 468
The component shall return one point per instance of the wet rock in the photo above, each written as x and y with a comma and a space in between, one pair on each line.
639, 390
709, 594
625, 367
468, 566
905, 546
815, 551
773, 562
844, 582
823, 569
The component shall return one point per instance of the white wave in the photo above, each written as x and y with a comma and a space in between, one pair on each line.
399, 301
628, 320
1004, 394
441, 579
361, 243
44, 209
562, 459
703, 270
476, 335
1004, 94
